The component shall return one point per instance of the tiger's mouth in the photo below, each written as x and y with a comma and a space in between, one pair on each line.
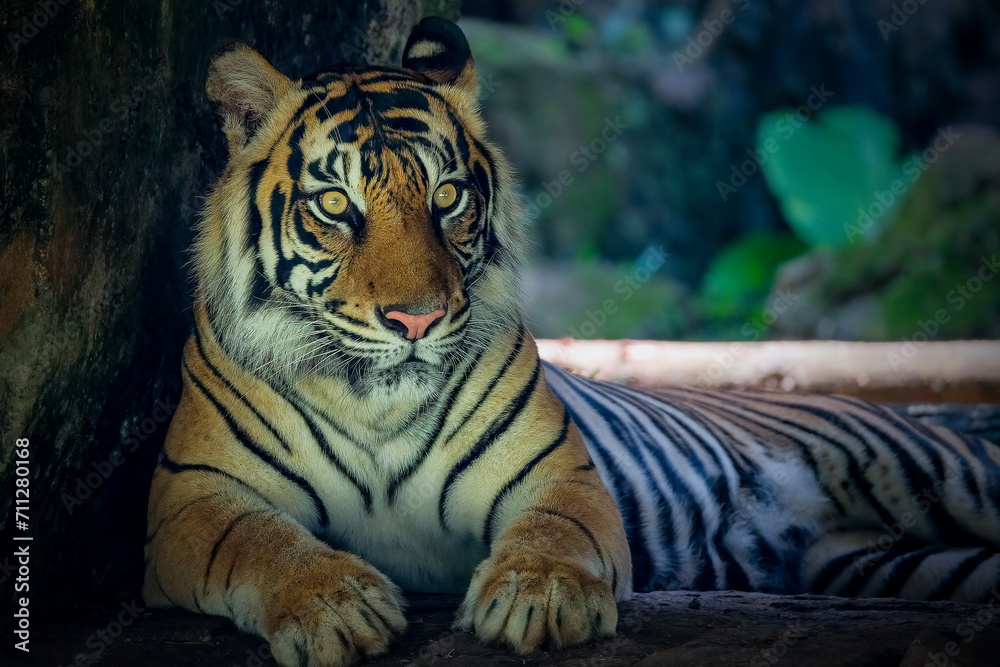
405, 360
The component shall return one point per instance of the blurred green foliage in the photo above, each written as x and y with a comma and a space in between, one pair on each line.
742, 275
828, 171
861, 265
932, 256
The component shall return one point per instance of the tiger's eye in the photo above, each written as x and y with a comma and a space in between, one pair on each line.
445, 195
334, 202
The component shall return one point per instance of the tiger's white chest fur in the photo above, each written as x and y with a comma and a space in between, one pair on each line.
403, 535
405, 540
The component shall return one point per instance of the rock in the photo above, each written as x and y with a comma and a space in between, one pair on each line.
663, 628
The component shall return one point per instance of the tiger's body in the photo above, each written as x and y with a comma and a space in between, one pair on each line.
363, 408
792, 493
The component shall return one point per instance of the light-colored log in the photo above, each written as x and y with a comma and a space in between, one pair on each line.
949, 371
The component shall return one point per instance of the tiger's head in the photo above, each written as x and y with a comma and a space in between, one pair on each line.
364, 226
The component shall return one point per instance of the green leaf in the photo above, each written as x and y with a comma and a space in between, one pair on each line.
833, 175
743, 273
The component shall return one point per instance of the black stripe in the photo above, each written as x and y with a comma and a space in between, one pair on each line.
308, 238
586, 531
630, 447
919, 480
229, 575
855, 473
628, 402
911, 428
353, 320
642, 568
927, 441
517, 479
735, 575
259, 289
173, 467
959, 575
236, 392
295, 158
244, 439
283, 268
460, 383
821, 582
495, 430
218, 544
903, 567
316, 289
507, 364
324, 445
151, 536
807, 456
348, 101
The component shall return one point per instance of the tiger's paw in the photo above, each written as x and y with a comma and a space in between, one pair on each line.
334, 610
524, 601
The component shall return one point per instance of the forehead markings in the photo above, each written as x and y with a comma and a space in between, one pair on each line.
263, 179
379, 103
388, 101
289, 147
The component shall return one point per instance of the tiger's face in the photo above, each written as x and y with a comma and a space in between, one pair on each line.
364, 226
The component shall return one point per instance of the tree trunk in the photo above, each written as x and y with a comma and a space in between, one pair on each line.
107, 144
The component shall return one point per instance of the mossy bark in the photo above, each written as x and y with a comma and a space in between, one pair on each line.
107, 145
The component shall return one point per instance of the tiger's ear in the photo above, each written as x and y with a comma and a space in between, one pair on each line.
246, 89
438, 50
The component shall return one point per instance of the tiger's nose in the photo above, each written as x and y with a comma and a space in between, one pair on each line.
411, 326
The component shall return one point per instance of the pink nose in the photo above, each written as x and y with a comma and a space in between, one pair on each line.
416, 325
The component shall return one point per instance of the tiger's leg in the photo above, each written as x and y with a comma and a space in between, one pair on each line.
216, 547
887, 564
558, 562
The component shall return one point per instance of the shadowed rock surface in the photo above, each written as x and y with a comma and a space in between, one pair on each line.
663, 628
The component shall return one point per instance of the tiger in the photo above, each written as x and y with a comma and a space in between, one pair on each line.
364, 410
